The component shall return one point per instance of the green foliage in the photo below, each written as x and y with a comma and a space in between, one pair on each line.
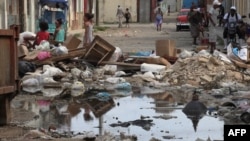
100, 28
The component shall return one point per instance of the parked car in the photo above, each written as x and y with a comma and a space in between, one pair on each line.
181, 20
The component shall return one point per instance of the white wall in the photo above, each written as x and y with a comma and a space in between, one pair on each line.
107, 11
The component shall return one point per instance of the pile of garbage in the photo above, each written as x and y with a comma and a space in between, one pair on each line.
204, 69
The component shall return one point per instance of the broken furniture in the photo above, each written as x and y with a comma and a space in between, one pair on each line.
99, 50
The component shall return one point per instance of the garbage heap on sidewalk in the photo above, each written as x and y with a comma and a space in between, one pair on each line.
103, 66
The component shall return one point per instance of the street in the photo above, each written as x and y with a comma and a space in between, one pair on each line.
142, 37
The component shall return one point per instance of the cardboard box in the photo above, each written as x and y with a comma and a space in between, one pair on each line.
72, 42
166, 48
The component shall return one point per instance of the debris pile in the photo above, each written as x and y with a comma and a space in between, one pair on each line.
205, 70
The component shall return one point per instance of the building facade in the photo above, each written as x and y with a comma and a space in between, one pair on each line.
20, 12
108, 8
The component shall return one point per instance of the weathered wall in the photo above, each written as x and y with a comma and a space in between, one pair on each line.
171, 3
107, 9
1, 14
144, 11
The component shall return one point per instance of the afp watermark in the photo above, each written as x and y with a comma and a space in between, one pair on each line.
236, 132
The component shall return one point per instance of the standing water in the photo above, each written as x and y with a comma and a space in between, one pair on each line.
147, 116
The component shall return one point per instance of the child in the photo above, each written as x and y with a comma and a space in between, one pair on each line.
42, 34
88, 26
59, 34
158, 19
127, 16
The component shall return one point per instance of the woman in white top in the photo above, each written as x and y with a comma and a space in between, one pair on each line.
212, 15
88, 26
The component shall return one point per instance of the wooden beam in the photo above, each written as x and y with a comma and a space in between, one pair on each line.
4, 110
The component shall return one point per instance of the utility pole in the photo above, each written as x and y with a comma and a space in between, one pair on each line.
97, 12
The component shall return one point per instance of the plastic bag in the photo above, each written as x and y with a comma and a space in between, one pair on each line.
77, 89
24, 67
43, 46
43, 55
116, 55
59, 51
31, 85
51, 71
124, 86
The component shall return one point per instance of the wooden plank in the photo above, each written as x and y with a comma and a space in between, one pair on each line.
121, 64
5, 116
7, 89
6, 33
72, 54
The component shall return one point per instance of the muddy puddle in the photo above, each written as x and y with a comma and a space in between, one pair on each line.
154, 114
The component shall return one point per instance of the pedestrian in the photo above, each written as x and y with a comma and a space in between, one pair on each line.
232, 18
119, 15
127, 16
221, 15
59, 34
212, 16
195, 20
88, 26
43, 34
158, 19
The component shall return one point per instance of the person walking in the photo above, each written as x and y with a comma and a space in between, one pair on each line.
158, 19
195, 20
127, 16
88, 32
212, 16
232, 17
119, 15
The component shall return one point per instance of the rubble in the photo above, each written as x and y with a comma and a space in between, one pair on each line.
204, 70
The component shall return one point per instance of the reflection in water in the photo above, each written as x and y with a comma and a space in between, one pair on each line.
96, 113
59, 114
195, 110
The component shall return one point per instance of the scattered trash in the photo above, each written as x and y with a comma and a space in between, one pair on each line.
77, 89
